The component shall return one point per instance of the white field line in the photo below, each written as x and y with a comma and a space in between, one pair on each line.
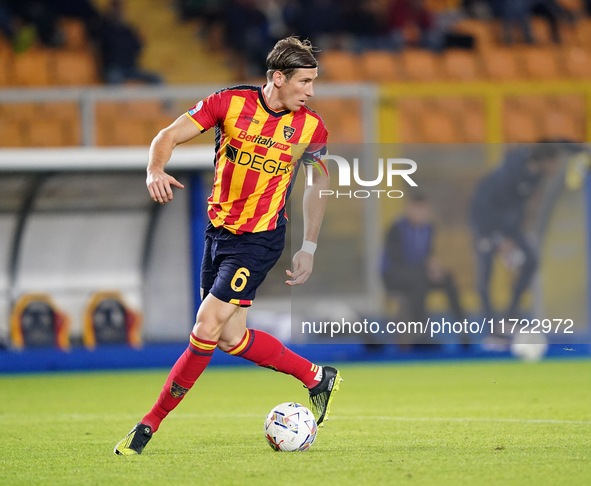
180, 416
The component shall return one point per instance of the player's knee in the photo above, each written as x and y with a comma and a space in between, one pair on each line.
225, 345
207, 329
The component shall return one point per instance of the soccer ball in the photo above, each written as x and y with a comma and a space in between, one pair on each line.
529, 347
290, 427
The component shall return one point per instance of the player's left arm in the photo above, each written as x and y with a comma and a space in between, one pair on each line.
314, 207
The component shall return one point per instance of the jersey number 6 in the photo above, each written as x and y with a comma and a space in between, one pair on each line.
239, 280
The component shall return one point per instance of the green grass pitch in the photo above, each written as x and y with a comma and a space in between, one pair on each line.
461, 423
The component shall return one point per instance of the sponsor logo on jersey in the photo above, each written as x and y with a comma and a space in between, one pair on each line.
264, 141
251, 119
257, 162
288, 132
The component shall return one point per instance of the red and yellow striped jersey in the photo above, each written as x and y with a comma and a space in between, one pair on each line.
257, 150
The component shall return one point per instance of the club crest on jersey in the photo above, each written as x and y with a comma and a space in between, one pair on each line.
288, 132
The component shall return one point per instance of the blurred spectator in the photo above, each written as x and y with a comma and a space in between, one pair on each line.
517, 14
22, 21
409, 266
7, 26
497, 217
42, 15
121, 46
211, 15
554, 13
248, 36
407, 14
83, 10
319, 20
513, 14
208, 10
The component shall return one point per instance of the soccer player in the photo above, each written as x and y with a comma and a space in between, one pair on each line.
262, 136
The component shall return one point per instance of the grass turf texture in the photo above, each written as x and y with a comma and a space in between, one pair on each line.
439, 424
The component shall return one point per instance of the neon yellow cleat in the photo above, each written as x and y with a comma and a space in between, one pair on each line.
322, 394
135, 441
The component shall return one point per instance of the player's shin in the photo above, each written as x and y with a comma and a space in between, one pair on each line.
267, 351
180, 380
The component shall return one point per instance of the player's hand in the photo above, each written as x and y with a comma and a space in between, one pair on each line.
302, 268
159, 183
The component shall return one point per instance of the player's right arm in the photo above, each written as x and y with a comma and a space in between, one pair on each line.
159, 182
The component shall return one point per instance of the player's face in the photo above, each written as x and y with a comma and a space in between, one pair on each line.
299, 89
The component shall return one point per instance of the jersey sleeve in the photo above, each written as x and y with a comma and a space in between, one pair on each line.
208, 112
317, 147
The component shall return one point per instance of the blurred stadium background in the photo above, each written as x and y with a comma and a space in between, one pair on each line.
82, 245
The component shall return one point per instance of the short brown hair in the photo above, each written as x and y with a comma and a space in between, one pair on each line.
290, 54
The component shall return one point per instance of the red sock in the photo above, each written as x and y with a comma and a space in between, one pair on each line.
265, 350
180, 380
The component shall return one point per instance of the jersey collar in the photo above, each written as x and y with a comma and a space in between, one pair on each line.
270, 111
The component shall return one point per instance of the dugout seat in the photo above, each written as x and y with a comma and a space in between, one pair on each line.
381, 66
61, 110
500, 64
74, 68
5, 66
31, 68
468, 116
574, 104
421, 65
560, 124
11, 133
534, 104
412, 112
472, 124
461, 65
439, 127
41, 132
519, 126
122, 132
340, 66
540, 63
583, 32
577, 62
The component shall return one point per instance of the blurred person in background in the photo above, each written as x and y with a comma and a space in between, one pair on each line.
405, 14
554, 13
517, 14
121, 46
321, 21
409, 266
7, 21
42, 17
497, 216
247, 36
83, 10
514, 14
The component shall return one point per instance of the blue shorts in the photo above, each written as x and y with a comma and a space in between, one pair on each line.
234, 266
